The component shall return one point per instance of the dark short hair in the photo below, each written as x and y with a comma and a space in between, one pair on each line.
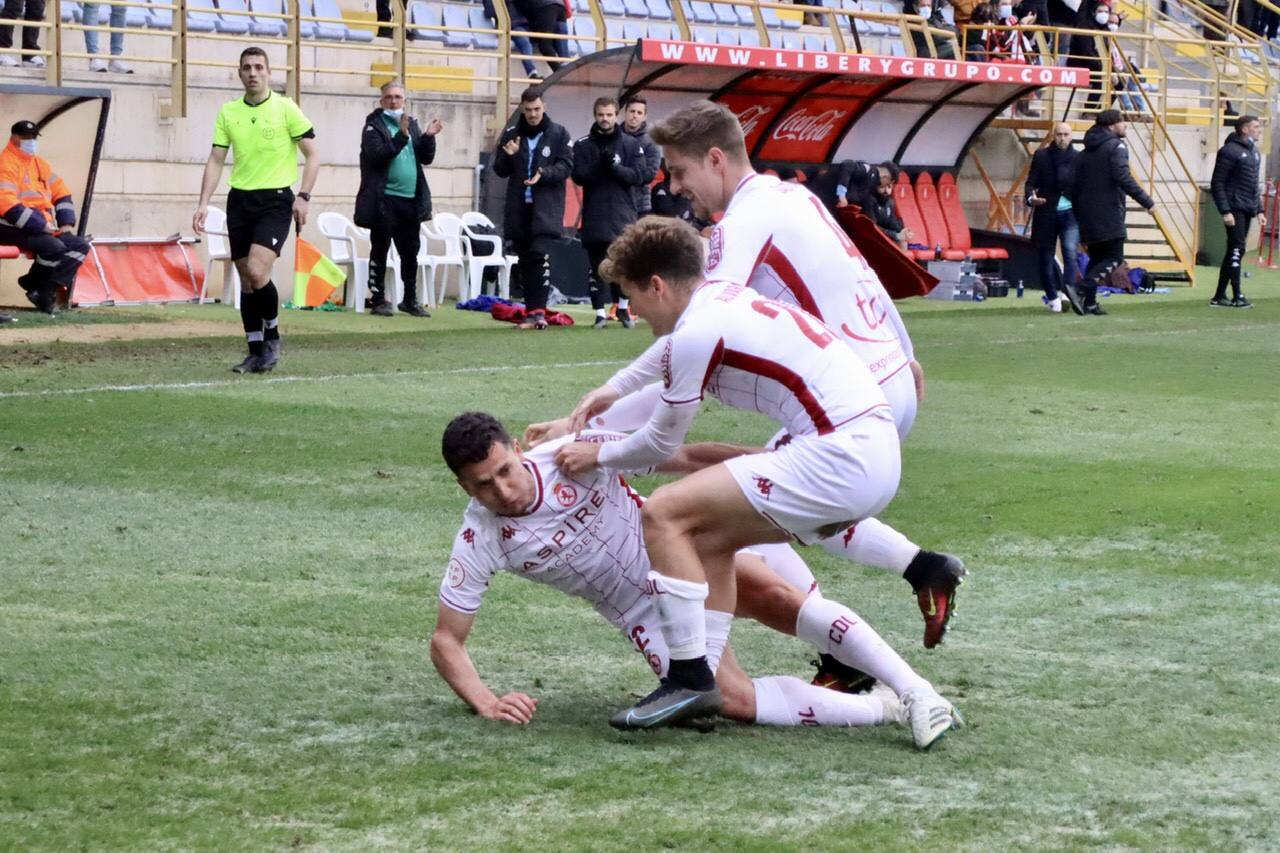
1106, 118
254, 51
892, 168
656, 245
699, 127
533, 93
1244, 121
468, 439
636, 99
604, 101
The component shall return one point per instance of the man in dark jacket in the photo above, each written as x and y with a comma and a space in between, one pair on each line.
1053, 220
1102, 180
884, 210
394, 198
546, 16
634, 114
609, 164
535, 155
845, 183
1236, 193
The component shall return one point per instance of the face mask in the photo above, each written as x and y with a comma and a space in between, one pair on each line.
1006, 11
1102, 17
395, 114
926, 11
1113, 27
28, 146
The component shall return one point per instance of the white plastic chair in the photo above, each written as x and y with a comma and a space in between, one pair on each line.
343, 251
215, 229
477, 264
446, 228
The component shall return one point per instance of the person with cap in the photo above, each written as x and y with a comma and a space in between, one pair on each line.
38, 215
1101, 181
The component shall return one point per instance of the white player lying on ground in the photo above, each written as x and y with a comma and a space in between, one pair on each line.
779, 239
582, 535
841, 466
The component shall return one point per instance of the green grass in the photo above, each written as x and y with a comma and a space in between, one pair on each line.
215, 596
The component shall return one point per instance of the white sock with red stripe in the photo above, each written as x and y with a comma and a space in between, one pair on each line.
838, 631
681, 615
873, 543
787, 564
782, 700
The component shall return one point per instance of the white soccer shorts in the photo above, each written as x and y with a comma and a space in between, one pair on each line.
900, 391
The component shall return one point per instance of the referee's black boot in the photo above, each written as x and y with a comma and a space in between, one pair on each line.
413, 309
270, 356
249, 365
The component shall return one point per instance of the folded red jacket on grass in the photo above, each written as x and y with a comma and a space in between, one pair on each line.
516, 313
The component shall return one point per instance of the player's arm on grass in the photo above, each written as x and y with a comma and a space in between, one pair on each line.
208, 184
450, 658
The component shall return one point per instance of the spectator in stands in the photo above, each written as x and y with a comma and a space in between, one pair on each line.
1235, 188
117, 20
546, 16
931, 11
1009, 45
1266, 22
1084, 49
1102, 179
394, 198
38, 215
884, 210
535, 155
384, 15
635, 111
609, 164
983, 16
28, 10
1052, 219
519, 41
962, 11
1126, 82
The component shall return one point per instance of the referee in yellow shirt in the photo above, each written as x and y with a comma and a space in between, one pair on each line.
264, 131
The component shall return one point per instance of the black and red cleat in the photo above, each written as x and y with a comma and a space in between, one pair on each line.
935, 578
834, 675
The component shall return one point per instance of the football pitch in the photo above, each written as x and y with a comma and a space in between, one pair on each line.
216, 594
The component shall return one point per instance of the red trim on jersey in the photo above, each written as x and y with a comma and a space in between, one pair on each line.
785, 377
895, 372
631, 493
537, 476
717, 356
844, 327
771, 256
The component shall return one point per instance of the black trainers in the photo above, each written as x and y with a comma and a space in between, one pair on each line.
413, 310
382, 309
600, 323
1220, 302
1095, 309
935, 578
624, 316
1241, 302
249, 365
669, 705
1073, 296
842, 678
270, 356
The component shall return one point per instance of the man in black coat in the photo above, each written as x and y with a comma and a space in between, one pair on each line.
535, 155
634, 113
394, 198
1102, 180
845, 183
609, 164
546, 16
1236, 194
1053, 220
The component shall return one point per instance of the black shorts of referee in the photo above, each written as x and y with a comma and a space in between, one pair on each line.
261, 217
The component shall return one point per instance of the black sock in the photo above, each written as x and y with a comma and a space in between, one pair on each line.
922, 568
693, 674
252, 319
269, 308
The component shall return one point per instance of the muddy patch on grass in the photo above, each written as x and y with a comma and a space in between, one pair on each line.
94, 333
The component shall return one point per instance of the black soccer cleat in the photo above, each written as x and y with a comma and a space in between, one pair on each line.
1220, 302
600, 323
249, 365
1073, 296
1095, 310
669, 705
270, 356
1241, 302
413, 310
935, 578
624, 316
840, 677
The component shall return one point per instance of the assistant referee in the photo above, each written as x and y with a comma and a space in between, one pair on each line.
264, 131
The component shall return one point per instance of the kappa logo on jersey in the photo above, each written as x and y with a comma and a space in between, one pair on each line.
469, 536
508, 532
764, 485
715, 251
457, 574
567, 495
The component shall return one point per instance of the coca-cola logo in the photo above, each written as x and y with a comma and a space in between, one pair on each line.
803, 127
751, 117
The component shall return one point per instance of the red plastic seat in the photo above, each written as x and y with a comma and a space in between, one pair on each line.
935, 223
904, 199
9, 252
958, 223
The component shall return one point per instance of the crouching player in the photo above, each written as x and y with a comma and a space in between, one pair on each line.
582, 535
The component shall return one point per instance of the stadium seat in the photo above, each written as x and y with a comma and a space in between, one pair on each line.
343, 251
704, 35
749, 38
636, 8
277, 7
633, 31
613, 8
270, 27
477, 21
791, 41
323, 30
202, 19
727, 36
457, 19
429, 15
958, 223
701, 12
134, 16
744, 15
904, 199
72, 12
329, 9
585, 29
663, 30
215, 230
235, 25
613, 31
659, 10
725, 15
934, 222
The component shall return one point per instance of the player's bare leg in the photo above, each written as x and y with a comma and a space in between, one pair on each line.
692, 529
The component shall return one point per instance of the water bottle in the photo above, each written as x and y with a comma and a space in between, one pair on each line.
1019, 288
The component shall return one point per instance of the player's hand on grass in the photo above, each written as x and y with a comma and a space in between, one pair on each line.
536, 434
515, 708
593, 403
578, 457
917, 375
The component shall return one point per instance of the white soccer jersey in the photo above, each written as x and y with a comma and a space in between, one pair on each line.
778, 239
751, 353
582, 536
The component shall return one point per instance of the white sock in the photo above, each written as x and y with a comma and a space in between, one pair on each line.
718, 623
680, 606
624, 304
837, 631
782, 700
787, 564
873, 543
599, 312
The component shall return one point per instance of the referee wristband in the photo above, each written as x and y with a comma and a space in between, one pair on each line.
305, 196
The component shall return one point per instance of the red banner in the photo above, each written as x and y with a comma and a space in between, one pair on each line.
912, 67
754, 112
808, 130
